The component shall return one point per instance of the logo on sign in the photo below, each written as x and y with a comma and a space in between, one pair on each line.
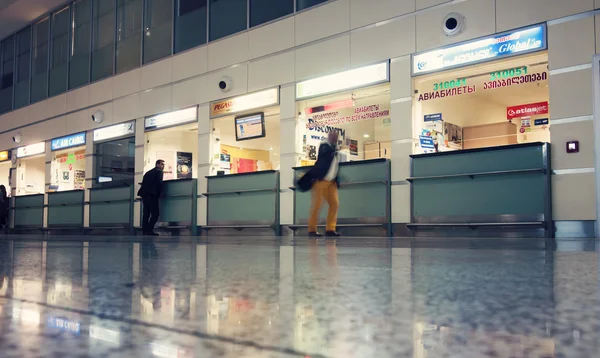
485, 49
541, 122
68, 142
433, 117
527, 110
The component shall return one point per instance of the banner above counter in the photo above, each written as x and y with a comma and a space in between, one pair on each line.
244, 103
512, 43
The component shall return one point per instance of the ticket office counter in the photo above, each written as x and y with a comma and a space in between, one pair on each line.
500, 192
243, 201
365, 199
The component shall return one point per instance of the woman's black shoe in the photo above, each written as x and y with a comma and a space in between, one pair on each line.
315, 234
332, 234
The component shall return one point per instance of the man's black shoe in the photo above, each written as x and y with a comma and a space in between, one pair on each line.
315, 234
332, 234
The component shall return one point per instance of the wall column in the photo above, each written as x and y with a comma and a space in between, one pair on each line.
207, 154
47, 178
140, 160
89, 175
290, 144
571, 118
402, 141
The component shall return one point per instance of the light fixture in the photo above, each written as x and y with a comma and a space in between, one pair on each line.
366, 135
271, 148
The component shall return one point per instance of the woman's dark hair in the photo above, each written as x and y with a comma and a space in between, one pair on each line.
3, 191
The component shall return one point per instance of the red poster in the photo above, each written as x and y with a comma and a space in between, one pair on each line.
246, 165
526, 110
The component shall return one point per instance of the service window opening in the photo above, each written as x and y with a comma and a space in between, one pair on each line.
493, 104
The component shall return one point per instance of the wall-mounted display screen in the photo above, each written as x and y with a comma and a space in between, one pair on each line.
250, 127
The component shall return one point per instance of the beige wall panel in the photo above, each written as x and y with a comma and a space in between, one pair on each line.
127, 83
78, 98
323, 58
271, 71
511, 14
210, 83
423, 4
324, 21
80, 121
128, 108
101, 91
156, 74
13, 119
563, 50
574, 197
287, 208
190, 63
561, 134
401, 123
44, 131
366, 12
400, 77
37, 112
187, 93
228, 51
479, 15
571, 94
56, 105
271, 38
597, 32
389, 45
157, 101
401, 160
400, 203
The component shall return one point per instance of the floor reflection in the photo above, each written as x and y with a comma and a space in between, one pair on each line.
315, 299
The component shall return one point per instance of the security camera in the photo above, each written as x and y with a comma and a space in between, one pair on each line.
98, 116
453, 24
18, 138
225, 84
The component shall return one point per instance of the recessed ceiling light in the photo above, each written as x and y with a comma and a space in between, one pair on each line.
366, 135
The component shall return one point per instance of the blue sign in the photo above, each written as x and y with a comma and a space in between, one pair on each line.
426, 142
433, 117
540, 122
64, 325
486, 49
74, 140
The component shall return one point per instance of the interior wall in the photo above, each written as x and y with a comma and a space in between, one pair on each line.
4, 175
164, 144
31, 176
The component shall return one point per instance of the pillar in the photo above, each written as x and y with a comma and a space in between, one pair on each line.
140, 160
290, 137
208, 159
402, 141
571, 46
47, 179
89, 175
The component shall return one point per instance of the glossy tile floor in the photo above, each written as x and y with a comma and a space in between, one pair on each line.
251, 298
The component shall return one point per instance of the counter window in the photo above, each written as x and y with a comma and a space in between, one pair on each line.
5, 166
115, 163
177, 146
67, 170
361, 117
493, 104
247, 142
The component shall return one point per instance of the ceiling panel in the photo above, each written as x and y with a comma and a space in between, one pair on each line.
16, 14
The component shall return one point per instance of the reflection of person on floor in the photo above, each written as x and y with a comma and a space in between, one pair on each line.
325, 182
4, 207
150, 193
151, 278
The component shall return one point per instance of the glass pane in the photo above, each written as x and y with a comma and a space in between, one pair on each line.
59, 53
8, 72
115, 163
227, 17
190, 24
103, 27
23, 68
79, 71
39, 63
262, 11
303, 4
158, 27
129, 32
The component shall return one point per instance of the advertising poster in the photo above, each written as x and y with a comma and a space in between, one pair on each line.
453, 136
353, 147
184, 165
225, 163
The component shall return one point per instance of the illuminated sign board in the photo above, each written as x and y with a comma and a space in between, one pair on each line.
172, 118
116, 131
342, 81
64, 325
33, 149
4, 156
243, 103
504, 45
74, 140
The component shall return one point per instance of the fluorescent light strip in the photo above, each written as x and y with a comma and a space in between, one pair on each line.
570, 69
573, 171
571, 120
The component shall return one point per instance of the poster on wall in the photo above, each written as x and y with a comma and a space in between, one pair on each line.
353, 147
330, 115
184, 165
225, 162
453, 136
79, 179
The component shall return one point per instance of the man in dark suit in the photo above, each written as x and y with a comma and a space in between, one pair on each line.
150, 192
325, 182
